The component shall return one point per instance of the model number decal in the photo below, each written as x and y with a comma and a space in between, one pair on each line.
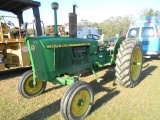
67, 45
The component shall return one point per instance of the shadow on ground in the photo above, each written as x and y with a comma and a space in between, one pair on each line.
53, 108
110, 92
147, 71
44, 112
53, 88
7, 74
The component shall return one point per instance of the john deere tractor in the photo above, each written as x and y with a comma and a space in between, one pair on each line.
60, 60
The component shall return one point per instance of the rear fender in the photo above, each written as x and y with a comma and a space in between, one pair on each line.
117, 45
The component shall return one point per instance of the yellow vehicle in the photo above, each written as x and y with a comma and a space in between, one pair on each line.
13, 50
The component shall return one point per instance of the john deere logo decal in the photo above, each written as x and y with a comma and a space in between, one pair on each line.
33, 48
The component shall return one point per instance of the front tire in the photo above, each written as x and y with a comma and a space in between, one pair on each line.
26, 87
77, 101
129, 62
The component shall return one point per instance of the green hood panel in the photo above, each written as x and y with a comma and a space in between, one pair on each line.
52, 56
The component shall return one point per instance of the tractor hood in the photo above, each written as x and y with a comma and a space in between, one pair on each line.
52, 55
50, 42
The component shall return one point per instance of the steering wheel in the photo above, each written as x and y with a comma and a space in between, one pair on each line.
93, 36
9, 22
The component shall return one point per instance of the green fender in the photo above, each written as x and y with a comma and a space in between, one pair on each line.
117, 45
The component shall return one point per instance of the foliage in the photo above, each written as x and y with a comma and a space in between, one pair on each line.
111, 26
148, 12
32, 31
118, 25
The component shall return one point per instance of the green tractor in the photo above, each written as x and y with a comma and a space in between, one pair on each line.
60, 60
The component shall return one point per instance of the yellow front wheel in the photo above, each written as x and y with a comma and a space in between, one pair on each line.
26, 87
77, 101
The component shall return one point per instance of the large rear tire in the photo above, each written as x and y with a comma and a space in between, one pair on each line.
129, 62
26, 87
77, 101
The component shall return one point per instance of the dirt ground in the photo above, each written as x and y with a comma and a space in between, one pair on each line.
111, 101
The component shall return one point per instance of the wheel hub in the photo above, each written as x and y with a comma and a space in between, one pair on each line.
136, 63
80, 102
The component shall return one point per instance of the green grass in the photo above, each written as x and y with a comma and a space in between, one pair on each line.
112, 102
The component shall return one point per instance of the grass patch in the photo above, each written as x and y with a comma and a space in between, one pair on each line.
111, 102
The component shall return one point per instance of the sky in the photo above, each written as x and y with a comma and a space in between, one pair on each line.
91, 10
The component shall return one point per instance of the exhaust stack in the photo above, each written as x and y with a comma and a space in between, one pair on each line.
73, 23
55, 6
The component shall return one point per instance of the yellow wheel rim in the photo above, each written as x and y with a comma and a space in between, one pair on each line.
136, 63
81, 103
30, 88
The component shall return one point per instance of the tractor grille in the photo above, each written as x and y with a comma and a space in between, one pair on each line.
63, 58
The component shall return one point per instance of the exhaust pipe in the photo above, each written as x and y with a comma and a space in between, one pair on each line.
73, 23
55, 6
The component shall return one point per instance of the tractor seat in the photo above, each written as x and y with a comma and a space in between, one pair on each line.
104, 40
23, 30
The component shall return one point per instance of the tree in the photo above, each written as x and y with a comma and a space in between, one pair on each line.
116, 25
111, 26
148, 12
84, 23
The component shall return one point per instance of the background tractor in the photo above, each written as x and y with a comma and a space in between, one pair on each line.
60, 60
61, 30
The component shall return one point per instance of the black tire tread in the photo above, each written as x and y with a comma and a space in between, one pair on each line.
123, 62
21, 83
64, 107
66, 96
